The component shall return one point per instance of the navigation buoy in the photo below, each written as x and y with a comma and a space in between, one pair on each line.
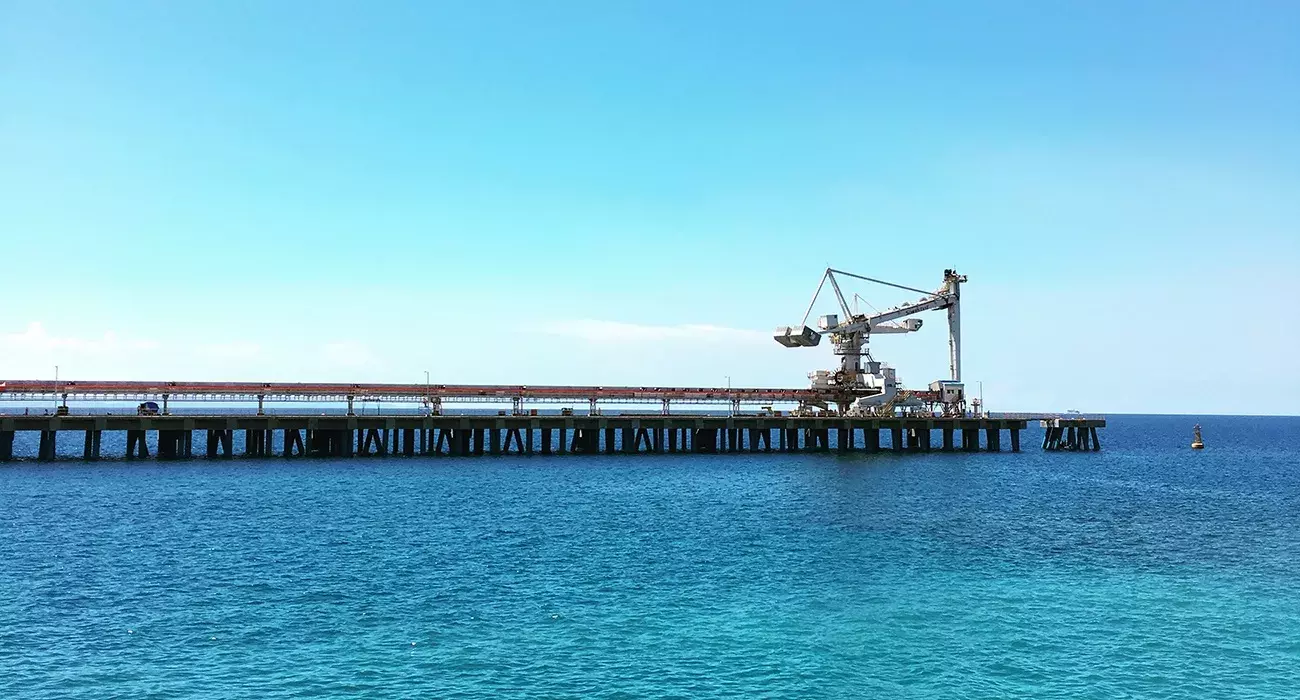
1196, 438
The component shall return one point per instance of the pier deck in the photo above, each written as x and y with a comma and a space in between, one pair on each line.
460, 435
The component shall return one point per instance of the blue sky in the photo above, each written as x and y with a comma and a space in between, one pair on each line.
636, 193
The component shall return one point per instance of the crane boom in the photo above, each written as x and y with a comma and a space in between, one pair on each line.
872, 322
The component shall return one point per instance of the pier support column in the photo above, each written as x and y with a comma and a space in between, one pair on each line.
704, 439
136, 445
176, 442
1096, 442
611, 441
528, 442
49, 440
970, 438
1015, 439
871, 439
947, 440
6, 445
923, 438
91, 450
167, 444
896, 439
293, 439
993, 439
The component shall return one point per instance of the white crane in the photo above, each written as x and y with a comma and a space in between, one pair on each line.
849, 336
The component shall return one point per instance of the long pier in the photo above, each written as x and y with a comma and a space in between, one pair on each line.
465, 435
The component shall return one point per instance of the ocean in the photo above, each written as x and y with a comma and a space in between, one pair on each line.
1144, 570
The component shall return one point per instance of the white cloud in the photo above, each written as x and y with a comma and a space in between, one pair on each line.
34, 351
36, 339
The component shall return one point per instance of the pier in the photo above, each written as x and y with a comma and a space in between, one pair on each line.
464, 435
517, 431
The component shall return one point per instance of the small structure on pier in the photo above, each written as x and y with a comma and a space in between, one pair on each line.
1071, 434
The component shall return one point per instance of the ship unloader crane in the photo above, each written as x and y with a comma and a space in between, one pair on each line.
856, 383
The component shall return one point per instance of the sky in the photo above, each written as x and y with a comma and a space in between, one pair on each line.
637, 193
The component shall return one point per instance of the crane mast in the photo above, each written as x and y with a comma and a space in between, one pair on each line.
850, 334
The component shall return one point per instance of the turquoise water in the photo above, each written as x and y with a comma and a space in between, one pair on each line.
1146, 570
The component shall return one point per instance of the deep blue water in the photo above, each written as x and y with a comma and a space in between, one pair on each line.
1145, 570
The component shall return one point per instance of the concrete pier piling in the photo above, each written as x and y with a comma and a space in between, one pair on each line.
411, 436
